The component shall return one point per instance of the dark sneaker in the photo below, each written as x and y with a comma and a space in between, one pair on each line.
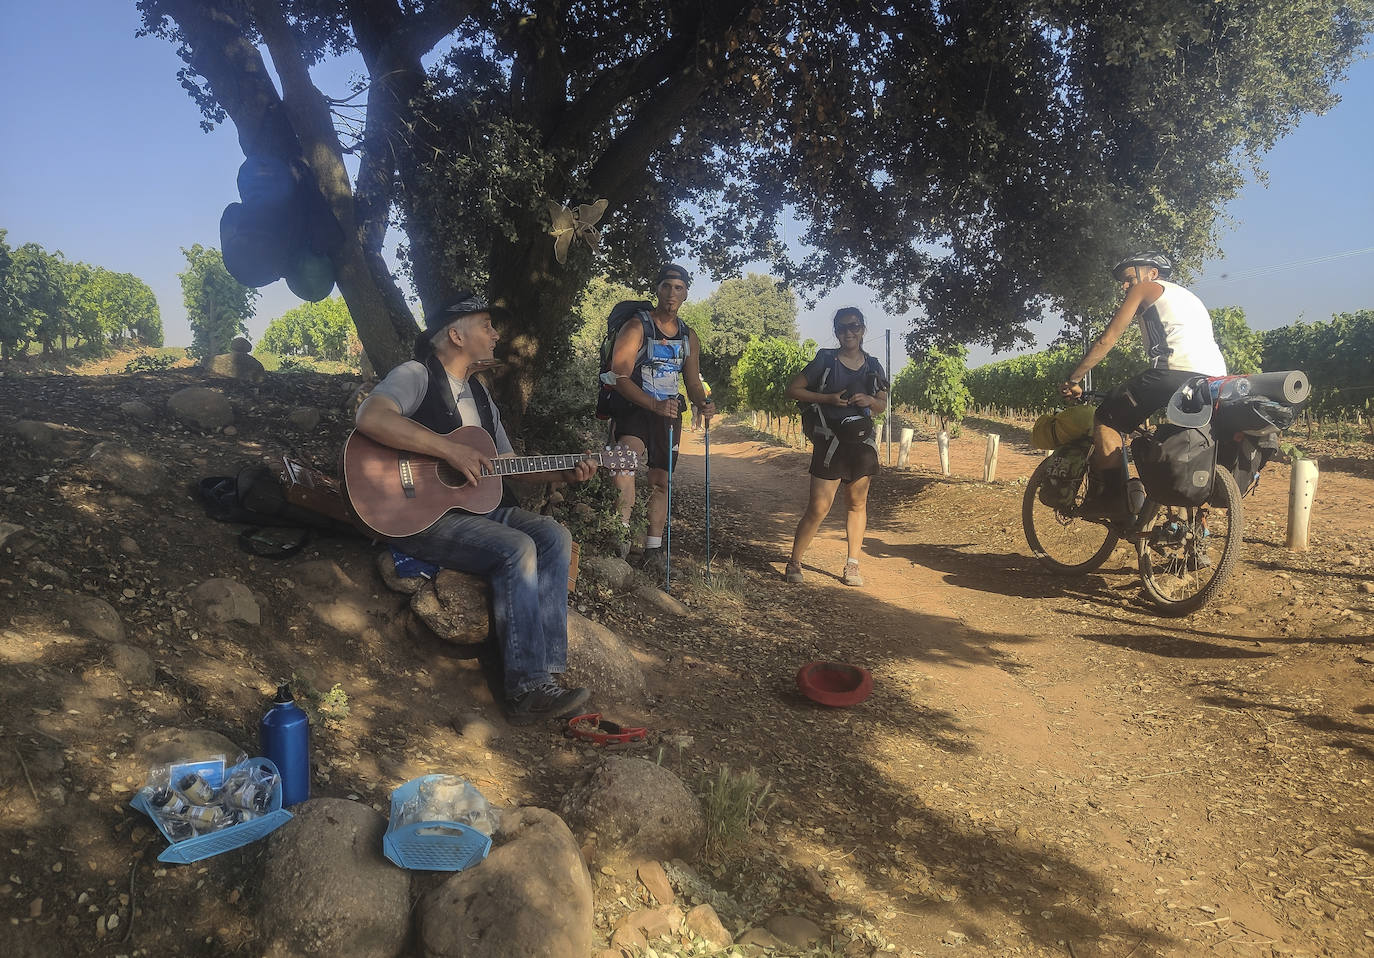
793, 573
653, 561
545, 702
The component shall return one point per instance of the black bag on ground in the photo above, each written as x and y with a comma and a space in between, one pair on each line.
1177, 464
254, 497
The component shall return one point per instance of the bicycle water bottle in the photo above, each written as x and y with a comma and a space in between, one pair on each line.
284, 734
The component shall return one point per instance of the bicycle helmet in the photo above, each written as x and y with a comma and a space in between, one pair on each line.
1149, 257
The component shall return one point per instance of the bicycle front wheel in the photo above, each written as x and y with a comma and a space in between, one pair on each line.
1188, 554
1062, 542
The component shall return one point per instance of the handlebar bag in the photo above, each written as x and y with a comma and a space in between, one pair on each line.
1178, 464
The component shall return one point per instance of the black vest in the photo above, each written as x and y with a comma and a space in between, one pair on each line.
438, 411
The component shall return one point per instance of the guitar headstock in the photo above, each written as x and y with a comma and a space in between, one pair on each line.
620, 459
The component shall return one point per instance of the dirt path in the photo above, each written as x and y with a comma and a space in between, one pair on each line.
1045, 767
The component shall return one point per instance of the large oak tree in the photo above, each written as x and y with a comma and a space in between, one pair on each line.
979, 159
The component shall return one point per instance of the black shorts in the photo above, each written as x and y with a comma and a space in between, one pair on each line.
1135, 400
651, 429
852, 460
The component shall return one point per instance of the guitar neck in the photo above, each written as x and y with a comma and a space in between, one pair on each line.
523, 465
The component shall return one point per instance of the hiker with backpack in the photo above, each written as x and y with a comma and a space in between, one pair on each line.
840, 391
653, 355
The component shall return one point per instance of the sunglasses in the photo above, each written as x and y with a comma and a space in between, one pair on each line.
849, 327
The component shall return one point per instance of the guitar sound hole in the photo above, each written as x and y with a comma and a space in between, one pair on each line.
450, 476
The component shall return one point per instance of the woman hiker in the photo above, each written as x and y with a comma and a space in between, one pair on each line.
849, 388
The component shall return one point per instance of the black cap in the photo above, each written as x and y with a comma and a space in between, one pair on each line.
284, 694
673, 271
465, 304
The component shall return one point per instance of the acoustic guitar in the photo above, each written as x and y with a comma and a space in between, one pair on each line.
396, 493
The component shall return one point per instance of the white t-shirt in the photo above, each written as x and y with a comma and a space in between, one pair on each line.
1177, 330
407, 384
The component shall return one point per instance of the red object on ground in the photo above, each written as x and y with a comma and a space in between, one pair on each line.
834, 683
590, 728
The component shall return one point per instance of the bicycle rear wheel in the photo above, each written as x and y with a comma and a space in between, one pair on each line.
1188, 554
1062, 542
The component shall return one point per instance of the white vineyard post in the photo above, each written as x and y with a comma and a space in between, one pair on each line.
904, 449
990, 458
1302, 489
942, 442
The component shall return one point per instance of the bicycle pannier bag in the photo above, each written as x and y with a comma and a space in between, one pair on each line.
1064, 475
1177, 464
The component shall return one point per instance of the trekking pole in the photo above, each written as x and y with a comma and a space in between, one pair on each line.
706, 434
668, 523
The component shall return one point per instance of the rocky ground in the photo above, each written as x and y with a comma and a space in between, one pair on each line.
1044, 768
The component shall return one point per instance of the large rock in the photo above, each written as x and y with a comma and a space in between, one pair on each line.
201, 406
599, 660
455, 606
703, 922
15, 539
532, 896
304, 419
612, 571
166, 745
236, 366
652, 597
406, 585
638, 810
94, 615
137, 410
224, 600
327, 890
33, 432
126, 470
133, 665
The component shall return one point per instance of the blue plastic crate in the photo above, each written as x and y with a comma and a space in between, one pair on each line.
235, 836
431, 846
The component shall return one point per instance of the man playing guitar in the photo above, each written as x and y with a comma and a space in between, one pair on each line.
525, 556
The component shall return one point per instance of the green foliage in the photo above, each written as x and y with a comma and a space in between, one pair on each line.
1241, 347
323, 330
935, 383
742, 310
217, 305
149, 362
46, 298
730, 802
591, 511
296, 364
1335, 355
1031, 382
982, 161
764, 370
324, 707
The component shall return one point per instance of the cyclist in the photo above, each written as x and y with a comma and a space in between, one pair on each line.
1177, 333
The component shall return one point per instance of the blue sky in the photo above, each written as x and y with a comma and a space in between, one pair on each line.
104, 160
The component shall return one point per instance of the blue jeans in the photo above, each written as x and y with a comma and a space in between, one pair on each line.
526, 559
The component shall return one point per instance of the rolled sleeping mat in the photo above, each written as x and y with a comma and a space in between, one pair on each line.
1291, 387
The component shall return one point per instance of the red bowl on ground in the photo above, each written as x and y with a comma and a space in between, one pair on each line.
834, 683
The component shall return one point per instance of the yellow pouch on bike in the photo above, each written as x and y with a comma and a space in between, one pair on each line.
1053, 429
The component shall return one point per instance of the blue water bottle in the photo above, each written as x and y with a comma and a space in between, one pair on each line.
284, 733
